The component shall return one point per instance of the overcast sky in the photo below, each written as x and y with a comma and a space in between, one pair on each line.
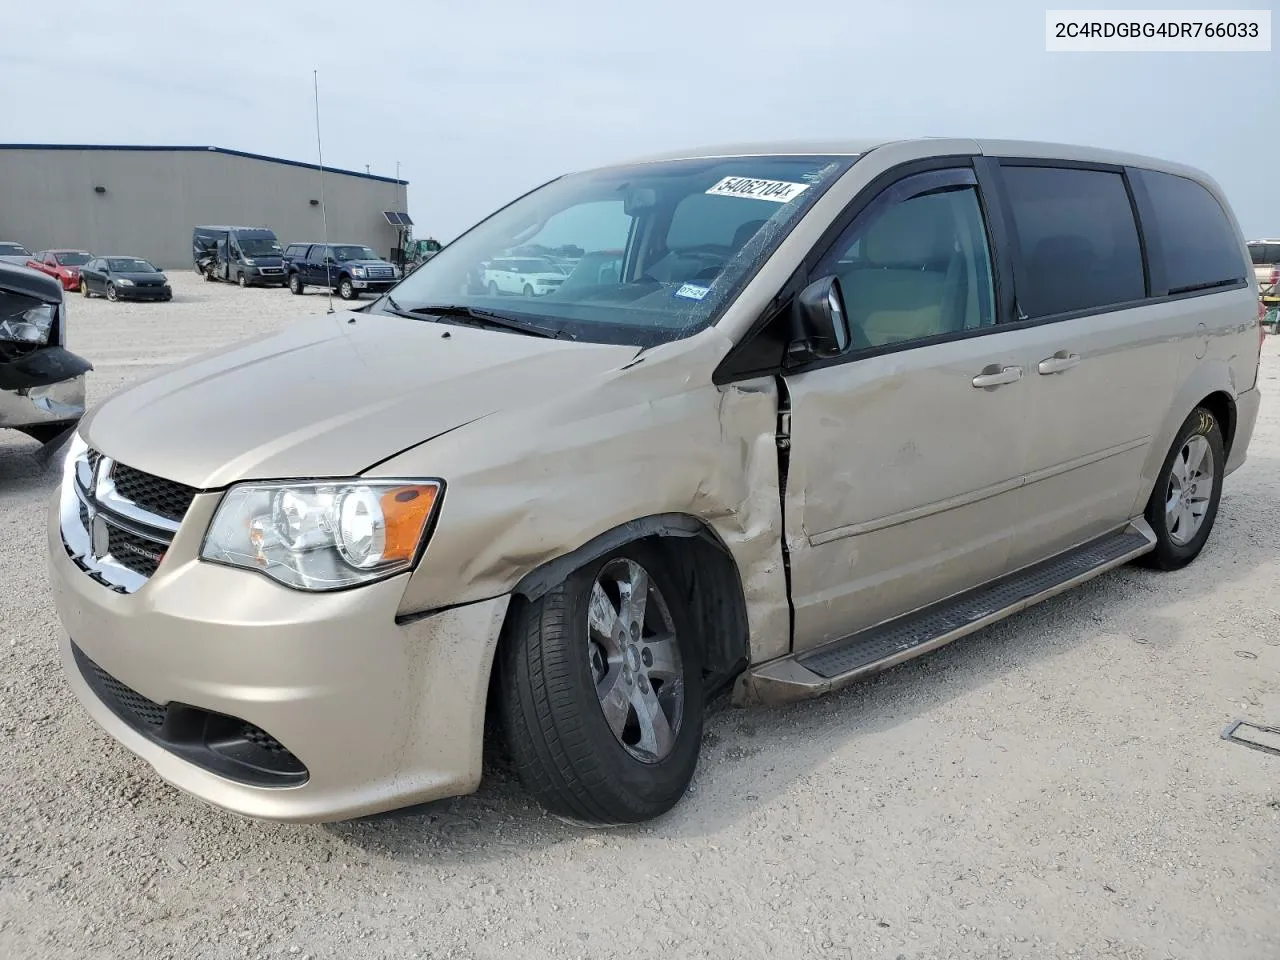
481, 100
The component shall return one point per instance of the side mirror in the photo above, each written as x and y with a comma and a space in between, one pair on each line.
821, 325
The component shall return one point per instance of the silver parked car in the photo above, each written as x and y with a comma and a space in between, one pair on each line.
838, 404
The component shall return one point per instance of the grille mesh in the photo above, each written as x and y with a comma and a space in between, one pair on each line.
166, 498
127, 699
136, 553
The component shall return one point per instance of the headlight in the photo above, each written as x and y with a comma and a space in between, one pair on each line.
323, 535
124, 281
357, 271
251, 262
30, 326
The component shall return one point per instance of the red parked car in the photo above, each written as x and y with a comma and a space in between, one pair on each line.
63, 265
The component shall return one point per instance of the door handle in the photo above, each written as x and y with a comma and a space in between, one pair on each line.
997, 376
1058, 362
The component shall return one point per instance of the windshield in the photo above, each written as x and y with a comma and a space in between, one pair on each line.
72, 259
258, 246
354, 253
13, 250
129, 265
690, 232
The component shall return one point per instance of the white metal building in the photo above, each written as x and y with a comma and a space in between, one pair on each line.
144, 201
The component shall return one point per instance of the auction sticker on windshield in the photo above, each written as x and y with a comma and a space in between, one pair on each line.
779, 191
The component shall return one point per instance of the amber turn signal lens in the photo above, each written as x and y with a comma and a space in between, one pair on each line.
406, 511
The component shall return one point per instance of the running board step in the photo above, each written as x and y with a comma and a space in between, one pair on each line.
833, 665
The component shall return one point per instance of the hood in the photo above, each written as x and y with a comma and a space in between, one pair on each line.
330, 397
26, 280
366, 263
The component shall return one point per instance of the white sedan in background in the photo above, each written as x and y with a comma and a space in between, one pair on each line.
527, 276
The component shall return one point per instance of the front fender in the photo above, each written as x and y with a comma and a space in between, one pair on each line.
529, 486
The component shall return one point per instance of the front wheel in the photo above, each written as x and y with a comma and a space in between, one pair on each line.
242, 280
111, 292
295, 284
1184, 502
528, 290
493, 289
346, 290
601, 691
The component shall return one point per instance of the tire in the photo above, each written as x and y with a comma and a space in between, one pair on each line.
84, 288
242, 280
493, 289
345, 290
565, 750
111, 292
208, 275
1179, 511
296, 286
528, 290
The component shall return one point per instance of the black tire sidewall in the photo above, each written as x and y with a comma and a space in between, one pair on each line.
1169, 555
625, 789
112, 295
295, 284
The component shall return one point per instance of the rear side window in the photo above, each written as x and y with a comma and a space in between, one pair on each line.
1198, 247
1078, 239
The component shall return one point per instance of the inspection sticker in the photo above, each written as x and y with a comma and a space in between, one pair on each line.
691, 291
779, 191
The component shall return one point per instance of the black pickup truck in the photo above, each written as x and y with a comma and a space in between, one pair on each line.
349, 268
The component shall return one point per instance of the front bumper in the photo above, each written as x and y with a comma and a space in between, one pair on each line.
144, 293
375, 286
61, 402
380, 714
266, 276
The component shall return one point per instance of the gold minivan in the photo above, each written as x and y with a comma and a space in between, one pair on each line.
795, 414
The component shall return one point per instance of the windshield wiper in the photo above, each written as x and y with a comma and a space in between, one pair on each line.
486, 318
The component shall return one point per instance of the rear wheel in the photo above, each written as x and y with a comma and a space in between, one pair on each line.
84, 288
601, 691
295, 284
1184, 502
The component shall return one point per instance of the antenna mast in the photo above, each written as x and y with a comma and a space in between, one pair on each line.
324, 213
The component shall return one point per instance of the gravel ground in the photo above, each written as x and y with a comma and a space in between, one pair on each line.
1054, 786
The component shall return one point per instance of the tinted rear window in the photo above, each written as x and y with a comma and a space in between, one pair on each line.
1198, 246
1078, 238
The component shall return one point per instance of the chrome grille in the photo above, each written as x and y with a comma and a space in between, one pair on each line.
118, 521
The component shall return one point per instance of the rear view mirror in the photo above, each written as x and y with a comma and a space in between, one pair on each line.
638, 200
821, 325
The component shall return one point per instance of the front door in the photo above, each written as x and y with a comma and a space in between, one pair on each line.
906, 453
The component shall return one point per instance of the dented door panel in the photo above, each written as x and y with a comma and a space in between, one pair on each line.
902, 481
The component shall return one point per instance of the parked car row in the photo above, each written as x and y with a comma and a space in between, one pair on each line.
253, 256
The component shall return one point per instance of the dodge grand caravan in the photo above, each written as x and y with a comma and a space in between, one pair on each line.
839, 405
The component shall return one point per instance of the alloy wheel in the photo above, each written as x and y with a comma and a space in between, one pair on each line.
635, 660
1191, 485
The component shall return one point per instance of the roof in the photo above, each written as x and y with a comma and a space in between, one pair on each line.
990, 147
192, 149
805, 148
